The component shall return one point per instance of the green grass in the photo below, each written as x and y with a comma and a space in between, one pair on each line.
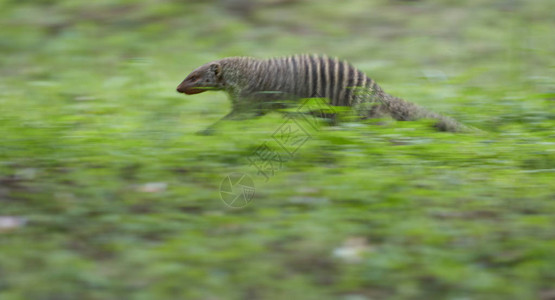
89, 117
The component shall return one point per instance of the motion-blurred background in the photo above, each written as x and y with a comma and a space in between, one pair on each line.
107, 193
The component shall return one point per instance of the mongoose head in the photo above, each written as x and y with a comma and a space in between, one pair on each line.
205, 77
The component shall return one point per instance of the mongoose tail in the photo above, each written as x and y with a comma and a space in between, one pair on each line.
402, 110
254, 84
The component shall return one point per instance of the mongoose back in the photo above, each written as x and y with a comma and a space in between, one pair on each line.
255, 84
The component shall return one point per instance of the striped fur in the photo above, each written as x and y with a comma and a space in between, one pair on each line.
252, 83
305, 76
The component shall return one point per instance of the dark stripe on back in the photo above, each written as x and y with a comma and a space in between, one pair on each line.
332, 81
289, 75
315, 77
323, 77
350, 85
296, 75
340, 87
272, 72
360, 81
282, 63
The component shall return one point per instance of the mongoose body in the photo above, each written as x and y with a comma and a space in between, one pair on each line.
254, 86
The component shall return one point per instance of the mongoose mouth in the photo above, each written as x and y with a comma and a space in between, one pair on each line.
192, 91
189, 90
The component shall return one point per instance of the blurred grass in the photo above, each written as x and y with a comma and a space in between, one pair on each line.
89, 116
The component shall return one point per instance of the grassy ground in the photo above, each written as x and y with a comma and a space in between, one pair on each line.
107, 193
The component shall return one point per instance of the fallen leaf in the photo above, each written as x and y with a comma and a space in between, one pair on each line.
8, 223
153, 187
352, 250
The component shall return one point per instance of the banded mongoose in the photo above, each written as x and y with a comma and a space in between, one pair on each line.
254, 84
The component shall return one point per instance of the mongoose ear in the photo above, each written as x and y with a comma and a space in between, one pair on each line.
216, 69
